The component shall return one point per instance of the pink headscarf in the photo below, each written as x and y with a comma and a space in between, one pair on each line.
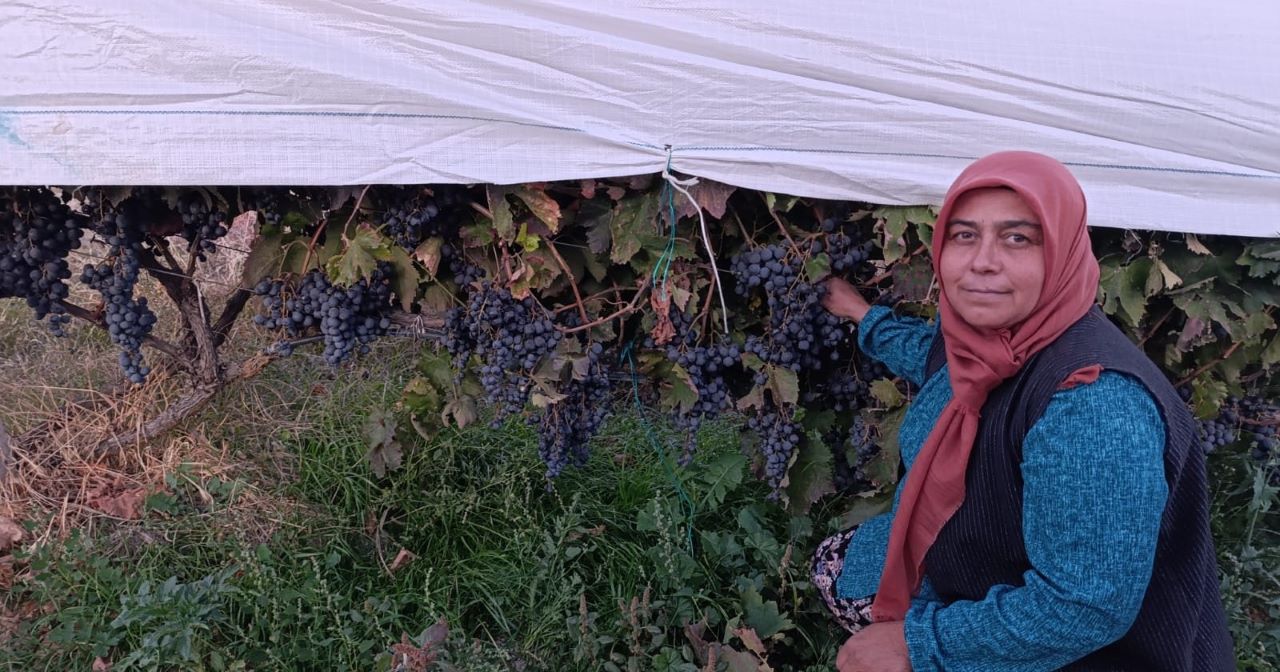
978, 363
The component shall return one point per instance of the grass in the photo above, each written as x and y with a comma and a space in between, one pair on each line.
266, 542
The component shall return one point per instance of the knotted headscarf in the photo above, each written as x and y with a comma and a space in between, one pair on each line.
979, 362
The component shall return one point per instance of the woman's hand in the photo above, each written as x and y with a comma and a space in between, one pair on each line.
843, 300
879, 647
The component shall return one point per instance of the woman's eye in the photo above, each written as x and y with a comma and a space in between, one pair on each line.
962, 235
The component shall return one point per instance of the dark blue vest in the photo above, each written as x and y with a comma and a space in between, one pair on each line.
1182, 625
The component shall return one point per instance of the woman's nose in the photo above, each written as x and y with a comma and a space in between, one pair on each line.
986, 258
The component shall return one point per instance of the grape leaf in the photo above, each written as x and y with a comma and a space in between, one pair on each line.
1194, 244
887, 393
722, 476
542, 205
428, 254
863, 509
682, 392
811, 477
503, 224
631, 220
361, 257
817, 268
712, 196
385, 452
407, 277
461, 410
421, 397
784, 385
265, 257
526, 240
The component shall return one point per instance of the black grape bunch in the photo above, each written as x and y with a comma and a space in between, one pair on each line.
128, 318
348, 319
201, 225
711, 369
801, 334
566, 427
1258, 418
269, 206
413, 216
1220, 430
510, 337
37, 232
846, 248
853, 455
779, 437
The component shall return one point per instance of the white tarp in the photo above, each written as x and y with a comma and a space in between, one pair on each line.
1167, 110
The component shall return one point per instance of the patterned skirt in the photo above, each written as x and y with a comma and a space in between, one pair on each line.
852, 614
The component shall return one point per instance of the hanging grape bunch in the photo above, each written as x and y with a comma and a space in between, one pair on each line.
129, 319
201, 225
37, 232
348, 319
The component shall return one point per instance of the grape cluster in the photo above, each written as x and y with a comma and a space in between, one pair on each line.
566, 427
779, 438
846, 251
37, 232
1215, 433
128, 318
415, 217
267, 203
202, 225
850, 475
707, 367
801, 335
511, 336
348, 318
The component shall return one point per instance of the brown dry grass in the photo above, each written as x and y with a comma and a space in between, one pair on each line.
73, 387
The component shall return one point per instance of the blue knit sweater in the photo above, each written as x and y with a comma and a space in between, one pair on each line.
1093, 494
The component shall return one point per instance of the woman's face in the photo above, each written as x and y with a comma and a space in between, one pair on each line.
992, 263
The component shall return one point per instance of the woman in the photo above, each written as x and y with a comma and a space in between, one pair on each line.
1054, 511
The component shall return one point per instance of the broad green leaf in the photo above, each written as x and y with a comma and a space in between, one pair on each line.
264, 260
763, 616
817, 267
526, 240
1271, 354
682, 392
385, 452
883, 469
811, 476
503, 225
361, 257
887, 393
437, 366
863, 509
1207, 395
723, 476
421, 397
406, 278
631, 221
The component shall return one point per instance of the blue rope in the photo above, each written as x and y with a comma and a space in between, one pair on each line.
686, 504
